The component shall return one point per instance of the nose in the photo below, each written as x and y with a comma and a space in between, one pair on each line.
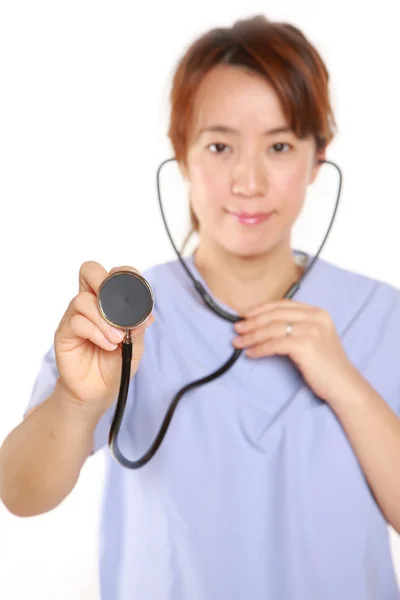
249, 177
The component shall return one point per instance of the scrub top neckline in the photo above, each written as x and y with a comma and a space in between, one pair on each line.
302, 259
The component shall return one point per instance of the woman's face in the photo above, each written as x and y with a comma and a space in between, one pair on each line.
248, 172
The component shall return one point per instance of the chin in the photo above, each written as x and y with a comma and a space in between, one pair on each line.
247, 250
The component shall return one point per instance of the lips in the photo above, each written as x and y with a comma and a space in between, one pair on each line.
246, 218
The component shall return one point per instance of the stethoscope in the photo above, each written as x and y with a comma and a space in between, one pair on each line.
126, 300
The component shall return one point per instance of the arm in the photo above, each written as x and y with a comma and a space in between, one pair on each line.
41, 459
373, 430
315, 347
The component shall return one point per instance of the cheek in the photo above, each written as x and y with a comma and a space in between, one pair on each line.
292, 187
208, 189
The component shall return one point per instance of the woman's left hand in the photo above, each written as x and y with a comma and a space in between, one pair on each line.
306, 335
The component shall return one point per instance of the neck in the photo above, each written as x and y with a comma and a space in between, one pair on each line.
243, 283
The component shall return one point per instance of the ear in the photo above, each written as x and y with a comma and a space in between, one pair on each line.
320, 155
184, 170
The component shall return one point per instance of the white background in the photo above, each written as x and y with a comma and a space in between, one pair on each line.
83, 118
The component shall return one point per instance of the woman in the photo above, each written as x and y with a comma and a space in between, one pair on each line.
278, 479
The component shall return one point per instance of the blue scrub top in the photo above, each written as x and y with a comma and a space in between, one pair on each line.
255, 493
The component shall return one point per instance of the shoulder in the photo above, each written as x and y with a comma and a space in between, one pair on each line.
359, 292
165, 273
344, 276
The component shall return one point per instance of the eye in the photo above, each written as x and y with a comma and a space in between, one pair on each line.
220, 147
280, 147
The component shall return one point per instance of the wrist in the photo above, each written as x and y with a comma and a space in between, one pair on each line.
351, 388
72, 408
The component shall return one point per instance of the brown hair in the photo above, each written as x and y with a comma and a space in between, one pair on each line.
279, 52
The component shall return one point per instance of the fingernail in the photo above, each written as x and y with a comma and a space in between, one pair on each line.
111, 346
117, 334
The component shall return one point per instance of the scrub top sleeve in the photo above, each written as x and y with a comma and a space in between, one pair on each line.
44, 386
45, 381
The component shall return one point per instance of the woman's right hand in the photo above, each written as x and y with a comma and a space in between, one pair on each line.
87, 348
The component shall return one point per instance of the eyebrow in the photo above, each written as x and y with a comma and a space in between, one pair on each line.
232, 130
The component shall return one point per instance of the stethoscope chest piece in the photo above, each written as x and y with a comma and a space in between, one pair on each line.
125, 299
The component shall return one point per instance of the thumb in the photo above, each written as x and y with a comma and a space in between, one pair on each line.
124, 268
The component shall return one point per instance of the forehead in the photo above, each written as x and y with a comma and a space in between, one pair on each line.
238, 97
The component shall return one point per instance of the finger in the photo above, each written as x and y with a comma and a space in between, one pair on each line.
92, 274
277, 346
85, 304
274, 330
289, 315
85, 329
126, 268
283, 304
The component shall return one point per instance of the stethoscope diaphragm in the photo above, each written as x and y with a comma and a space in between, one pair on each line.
125, 299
